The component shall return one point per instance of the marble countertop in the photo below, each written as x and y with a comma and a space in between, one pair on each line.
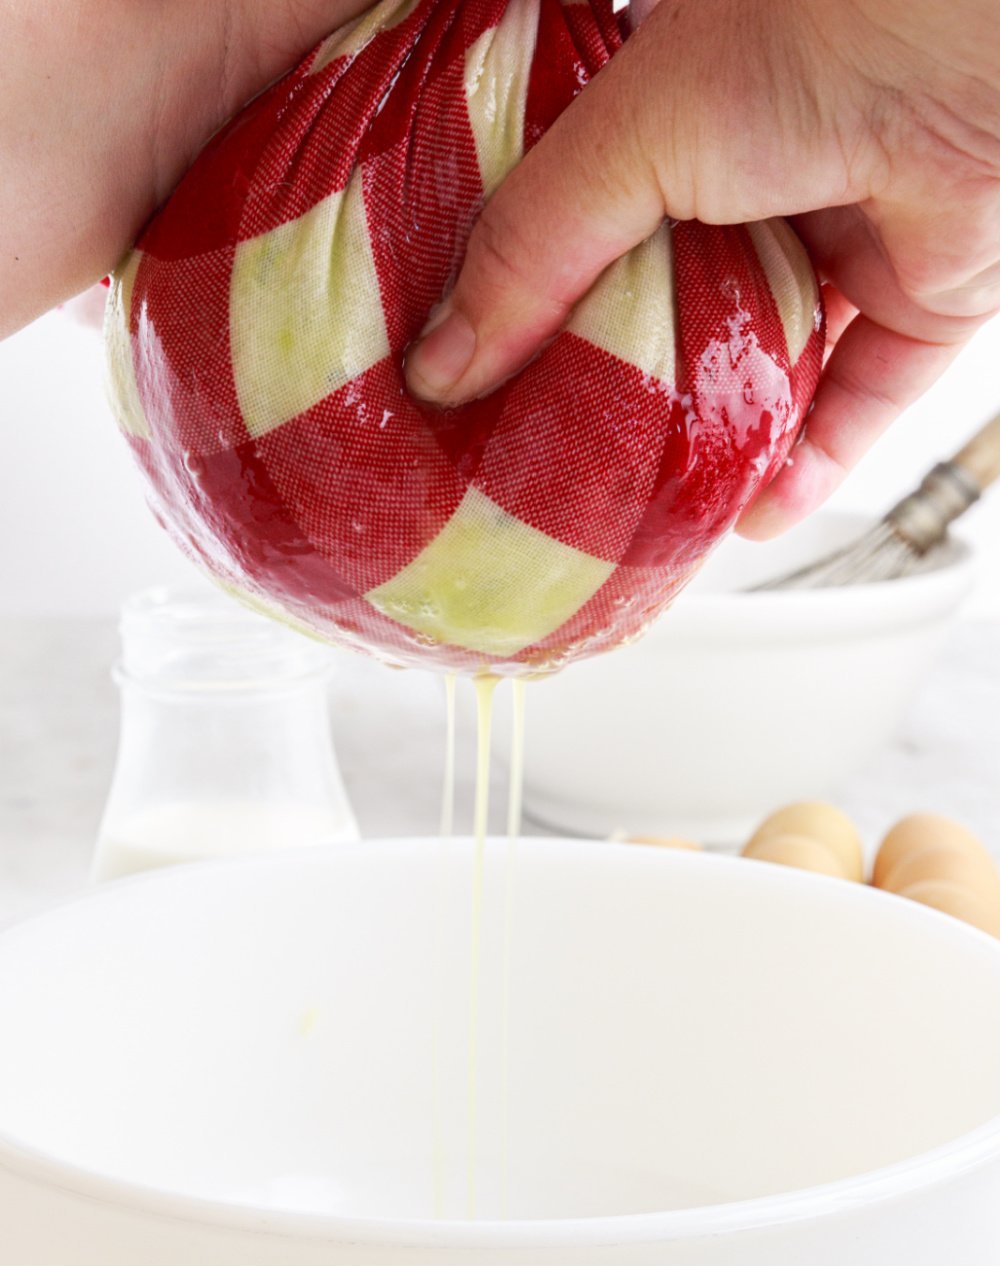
59, 721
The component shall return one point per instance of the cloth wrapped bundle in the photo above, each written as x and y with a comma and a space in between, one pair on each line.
257, 332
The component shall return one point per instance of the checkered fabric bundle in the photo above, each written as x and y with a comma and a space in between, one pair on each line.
257, 332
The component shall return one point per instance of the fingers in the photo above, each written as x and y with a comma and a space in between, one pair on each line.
697, 117
847, 249
583, 196
872, 375
840, 312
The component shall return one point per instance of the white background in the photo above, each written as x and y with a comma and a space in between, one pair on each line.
75, 535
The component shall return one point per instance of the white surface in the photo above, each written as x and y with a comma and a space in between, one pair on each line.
59, 726
735, 703
75, 536
283, 1070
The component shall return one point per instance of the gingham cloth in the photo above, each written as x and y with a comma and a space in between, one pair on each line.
256, 337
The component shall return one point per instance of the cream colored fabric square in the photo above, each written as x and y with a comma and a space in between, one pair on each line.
123, 393
631, 311
305, 311
490, 583
791, 278
497, 70
353, 36
273, 610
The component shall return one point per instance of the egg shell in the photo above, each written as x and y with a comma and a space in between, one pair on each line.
974, 871
666, 841
799, 851
959, 902
817, 820
921, 831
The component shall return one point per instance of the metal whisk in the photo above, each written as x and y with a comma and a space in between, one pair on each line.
904, 541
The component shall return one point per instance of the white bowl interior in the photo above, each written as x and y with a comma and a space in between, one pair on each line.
293, 1032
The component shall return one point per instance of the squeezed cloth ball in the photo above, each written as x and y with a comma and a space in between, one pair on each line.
256, 337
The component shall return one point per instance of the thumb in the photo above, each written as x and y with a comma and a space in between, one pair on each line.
686, 121
583, 196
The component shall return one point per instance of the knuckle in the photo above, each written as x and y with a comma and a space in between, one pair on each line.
497, 254
959, 258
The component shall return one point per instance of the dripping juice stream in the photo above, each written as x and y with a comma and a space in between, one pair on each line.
485, 690
447, 827
510, 876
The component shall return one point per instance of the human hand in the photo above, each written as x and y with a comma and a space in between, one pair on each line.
103, 106
873, 124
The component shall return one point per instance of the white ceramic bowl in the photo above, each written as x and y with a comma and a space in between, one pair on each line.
711, 1061
736, 703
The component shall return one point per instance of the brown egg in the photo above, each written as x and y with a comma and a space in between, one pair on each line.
958, 901
665, 841
818, 820
799, 851
973, 871
919, 832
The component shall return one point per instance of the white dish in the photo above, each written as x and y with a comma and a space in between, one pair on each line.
735, 702
711, 1061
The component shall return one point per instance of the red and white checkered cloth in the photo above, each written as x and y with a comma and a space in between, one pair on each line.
256, 337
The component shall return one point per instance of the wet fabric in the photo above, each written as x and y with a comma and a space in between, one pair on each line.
257, 332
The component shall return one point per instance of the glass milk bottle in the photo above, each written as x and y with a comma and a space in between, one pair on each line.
225, 744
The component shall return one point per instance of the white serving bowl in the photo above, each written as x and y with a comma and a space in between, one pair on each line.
711, 1061
735, 702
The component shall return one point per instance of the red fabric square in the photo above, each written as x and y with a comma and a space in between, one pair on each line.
420, 214
181, 351
363, 477
628, 600
577, 448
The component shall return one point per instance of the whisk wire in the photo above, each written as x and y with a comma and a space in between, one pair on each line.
906, 541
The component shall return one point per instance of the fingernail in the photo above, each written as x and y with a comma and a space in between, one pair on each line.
443, 354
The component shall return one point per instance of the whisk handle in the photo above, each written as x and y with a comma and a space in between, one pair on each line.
980, 458
922, 518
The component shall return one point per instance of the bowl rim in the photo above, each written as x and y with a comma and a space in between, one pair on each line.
947, 1162
832, 613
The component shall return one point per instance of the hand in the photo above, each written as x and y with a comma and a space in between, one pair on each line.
103, 105
874, 124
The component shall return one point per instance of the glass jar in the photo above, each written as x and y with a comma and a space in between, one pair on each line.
225, 744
